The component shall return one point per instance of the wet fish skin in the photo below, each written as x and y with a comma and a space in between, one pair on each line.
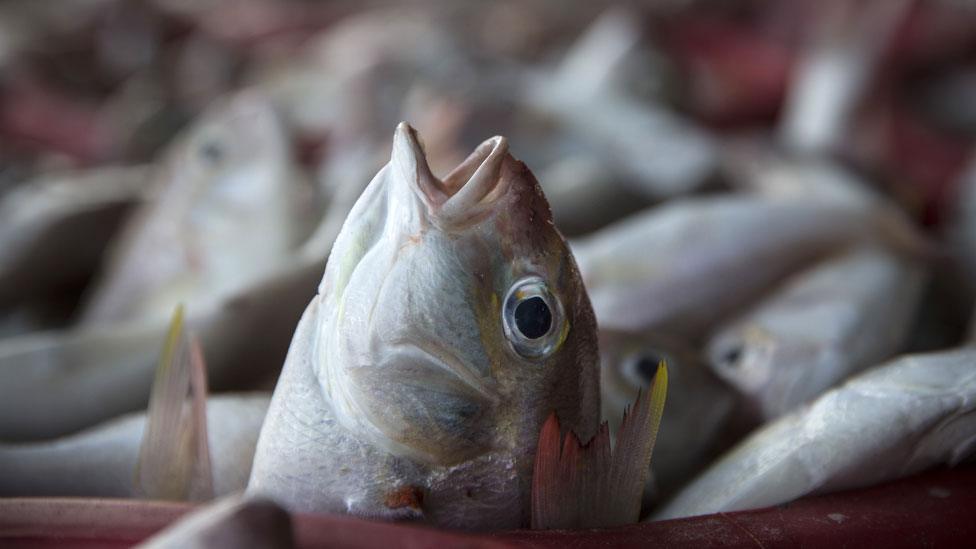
655, 271
235, 521
820, 327
221, 216
402, 397
53, 229
101, 461
700, 411
910, 414
46, 378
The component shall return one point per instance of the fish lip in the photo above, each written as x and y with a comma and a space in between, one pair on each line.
469, 190
410, 161
476, 184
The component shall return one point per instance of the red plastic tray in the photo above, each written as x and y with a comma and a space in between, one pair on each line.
932, 509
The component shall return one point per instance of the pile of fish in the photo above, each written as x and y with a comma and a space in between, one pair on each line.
754, 278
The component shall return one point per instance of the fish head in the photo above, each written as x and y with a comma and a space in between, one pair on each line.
699, 403
772, 369
628, 363
231, 157
455, 317
232, 182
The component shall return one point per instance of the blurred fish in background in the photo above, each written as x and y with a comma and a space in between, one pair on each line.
778, 199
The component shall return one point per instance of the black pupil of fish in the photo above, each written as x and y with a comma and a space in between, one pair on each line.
533, 317
732, 355
647, 367
211, 151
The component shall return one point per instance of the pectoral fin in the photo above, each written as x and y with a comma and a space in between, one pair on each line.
174, 460
590, 486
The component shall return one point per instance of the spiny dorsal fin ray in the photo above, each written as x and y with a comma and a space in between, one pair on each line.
174, 459
587, 486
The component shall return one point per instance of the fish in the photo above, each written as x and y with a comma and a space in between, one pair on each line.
960, 229
821, 326
702, 411
658, 153
220, 237
174, 450
834, 71
655, 272
222, 215
47, 378
53, 228
234, 521
899, 418
451, 321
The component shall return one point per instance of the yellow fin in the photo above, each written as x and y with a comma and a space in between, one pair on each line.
174, 458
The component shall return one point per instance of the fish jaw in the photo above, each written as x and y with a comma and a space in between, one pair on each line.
408, 352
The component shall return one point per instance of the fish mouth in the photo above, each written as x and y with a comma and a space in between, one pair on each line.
467, 192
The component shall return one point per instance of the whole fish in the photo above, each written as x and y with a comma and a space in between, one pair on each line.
701, 408
822, 326
900, 418
223, 215
451, 321
656, 271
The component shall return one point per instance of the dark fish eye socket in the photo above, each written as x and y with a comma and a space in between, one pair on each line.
533, 317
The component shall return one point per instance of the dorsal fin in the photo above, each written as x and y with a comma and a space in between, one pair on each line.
174, 459
588, 486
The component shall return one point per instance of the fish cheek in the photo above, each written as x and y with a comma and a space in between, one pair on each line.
436, 416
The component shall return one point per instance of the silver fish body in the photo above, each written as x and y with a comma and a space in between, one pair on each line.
900, 418
655, 272
102, 461
420, 375
820, 327
47, 378
53, 230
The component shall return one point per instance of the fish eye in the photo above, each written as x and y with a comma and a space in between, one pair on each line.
532, 318
730, 356
211, 151
641, 367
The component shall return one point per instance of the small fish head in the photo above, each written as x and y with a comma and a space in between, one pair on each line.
771, 369
231, 181
628, 362
232, 148
461, 320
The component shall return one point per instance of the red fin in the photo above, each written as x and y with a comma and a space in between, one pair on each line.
587, 486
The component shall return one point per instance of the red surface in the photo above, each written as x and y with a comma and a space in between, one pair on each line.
933, 509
